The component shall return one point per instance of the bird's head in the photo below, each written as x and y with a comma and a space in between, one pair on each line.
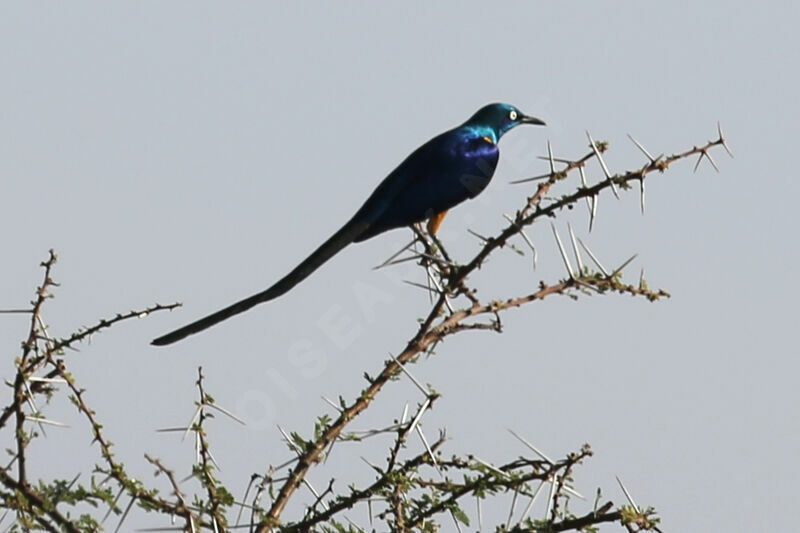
500, 118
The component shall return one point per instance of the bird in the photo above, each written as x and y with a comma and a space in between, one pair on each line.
449, 169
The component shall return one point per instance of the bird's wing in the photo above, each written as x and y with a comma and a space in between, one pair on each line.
396, 200
346, 235
369, 218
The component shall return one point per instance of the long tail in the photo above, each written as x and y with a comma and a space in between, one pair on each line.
328, 249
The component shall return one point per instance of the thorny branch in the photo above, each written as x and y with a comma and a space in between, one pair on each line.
431, 332
182, 509
204, 470
40, 353
409, 492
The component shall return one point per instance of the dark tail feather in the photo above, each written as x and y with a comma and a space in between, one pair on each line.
328, 249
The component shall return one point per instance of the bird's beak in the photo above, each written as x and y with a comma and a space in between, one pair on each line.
531, 120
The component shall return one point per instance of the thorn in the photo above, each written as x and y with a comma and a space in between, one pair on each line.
593, 146
585, 185
353, 524
582, 171
47, 380
226, 412
710, 160
530, 503
551, 498
411, 377
574, 492
394, 255
455, 521
561, 249
434, 258
332, 404
170, 430
700, 158
491, 467
627, 495
722, 140
642, 148
587, 286
594, 259
314, 492
192, 421
372, 466
593, 214
575, 250
366, 433
641, 193
197, 454
532, 447
478, 235
511, 509
626, 263
428, 279
398, 261
289, 441
283, 464
480, 515
405, 414
602, 164
428, 448
213, 461
441, 292
125, 515
244, 499
535, 178
40, 420
419, 285
525, 237
597, 500
417, 418
641, 279
32, 404
556, 159
550, 157
113, 505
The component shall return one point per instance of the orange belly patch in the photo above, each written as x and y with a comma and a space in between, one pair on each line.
435, 221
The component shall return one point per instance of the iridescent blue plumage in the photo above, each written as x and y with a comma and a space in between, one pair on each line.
445, 171
442, 173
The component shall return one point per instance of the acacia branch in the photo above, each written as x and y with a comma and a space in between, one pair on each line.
29, 346
182, 509
384, 481
205, 467
32, 501
428, 335
36, 358
456, 307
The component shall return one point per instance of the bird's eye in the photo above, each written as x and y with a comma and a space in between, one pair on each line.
512, 115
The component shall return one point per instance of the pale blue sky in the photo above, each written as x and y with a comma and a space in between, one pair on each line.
193, 151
